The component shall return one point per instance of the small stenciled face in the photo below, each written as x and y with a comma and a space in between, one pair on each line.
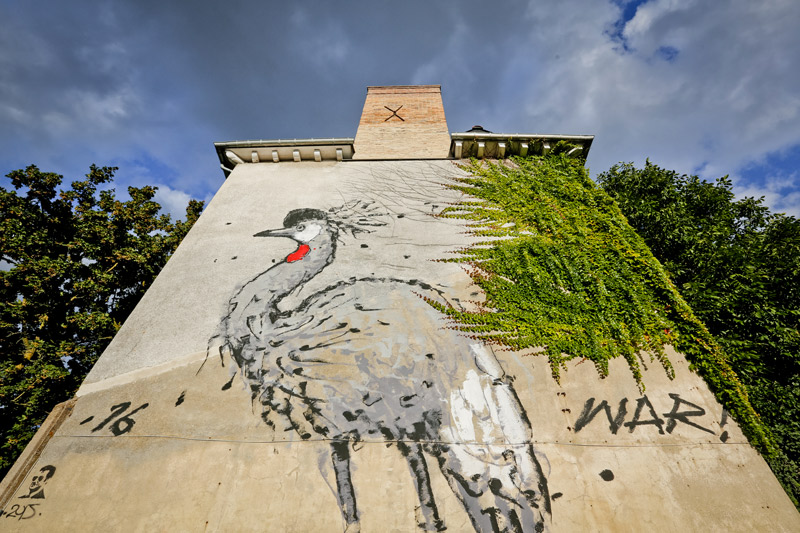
36, 488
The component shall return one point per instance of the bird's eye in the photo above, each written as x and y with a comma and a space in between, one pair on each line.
301, 227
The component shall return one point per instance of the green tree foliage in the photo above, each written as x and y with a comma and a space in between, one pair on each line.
738, 266
76, 262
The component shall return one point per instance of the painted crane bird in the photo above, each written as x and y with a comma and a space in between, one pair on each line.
368, 358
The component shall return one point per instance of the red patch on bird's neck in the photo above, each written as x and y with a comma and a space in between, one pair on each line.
298, 254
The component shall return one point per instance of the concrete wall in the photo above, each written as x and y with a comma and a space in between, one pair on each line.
349, 404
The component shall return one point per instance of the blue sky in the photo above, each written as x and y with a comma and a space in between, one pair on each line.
699, 87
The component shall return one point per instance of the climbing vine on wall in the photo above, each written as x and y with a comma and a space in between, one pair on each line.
564, 274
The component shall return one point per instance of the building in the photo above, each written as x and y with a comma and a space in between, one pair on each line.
286, 372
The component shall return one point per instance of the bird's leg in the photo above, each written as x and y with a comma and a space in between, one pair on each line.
504, 495
340, 454
422, 482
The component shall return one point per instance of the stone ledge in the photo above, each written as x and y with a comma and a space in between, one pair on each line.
235, 153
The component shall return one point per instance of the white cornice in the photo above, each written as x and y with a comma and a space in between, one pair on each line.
274, 151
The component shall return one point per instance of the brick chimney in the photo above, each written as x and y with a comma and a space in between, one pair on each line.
403, 122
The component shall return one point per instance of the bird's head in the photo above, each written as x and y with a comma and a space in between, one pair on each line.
301, 225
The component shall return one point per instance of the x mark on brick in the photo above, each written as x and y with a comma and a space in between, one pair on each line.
394, 113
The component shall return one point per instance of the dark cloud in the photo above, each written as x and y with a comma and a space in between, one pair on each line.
149, 86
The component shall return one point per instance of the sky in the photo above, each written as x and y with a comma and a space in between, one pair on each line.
706, 88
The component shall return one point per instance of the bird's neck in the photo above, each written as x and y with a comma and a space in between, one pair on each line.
300, 266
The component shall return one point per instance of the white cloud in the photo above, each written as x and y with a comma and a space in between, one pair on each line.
17, 43
693, 86
780, 192
13, 114
91, 114
103, 111
450, 63
172, 201
326, 46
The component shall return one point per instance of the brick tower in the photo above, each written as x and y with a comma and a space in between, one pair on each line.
403, 122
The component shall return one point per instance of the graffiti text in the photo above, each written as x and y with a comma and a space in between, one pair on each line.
644, 414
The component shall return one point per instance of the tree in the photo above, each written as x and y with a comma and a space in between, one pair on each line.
738, 266
75, 263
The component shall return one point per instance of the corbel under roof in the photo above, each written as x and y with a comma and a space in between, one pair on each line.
501, 145
237, 152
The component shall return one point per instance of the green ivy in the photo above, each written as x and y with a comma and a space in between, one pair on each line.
564, 274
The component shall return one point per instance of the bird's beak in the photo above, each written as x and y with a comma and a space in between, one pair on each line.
280, 232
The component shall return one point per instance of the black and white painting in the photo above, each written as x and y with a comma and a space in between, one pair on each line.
368, 358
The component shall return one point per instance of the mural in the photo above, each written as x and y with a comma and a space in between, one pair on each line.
369, 358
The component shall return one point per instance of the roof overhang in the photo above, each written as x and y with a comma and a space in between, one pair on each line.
502, 145
462, 145
274, 151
